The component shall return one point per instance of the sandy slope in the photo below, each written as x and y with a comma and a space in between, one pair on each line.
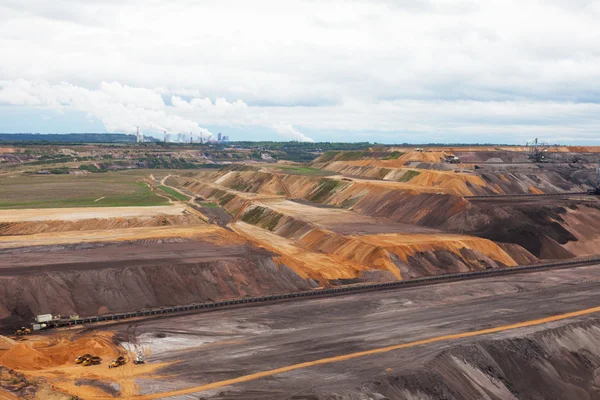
71, 214
207, 232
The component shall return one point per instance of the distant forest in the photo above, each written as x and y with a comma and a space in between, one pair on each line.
67, 138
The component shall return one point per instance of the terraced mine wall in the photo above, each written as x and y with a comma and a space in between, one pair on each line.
98, 288
538, 229
558, 363
476, 182
413, 255
421, 255
87, 261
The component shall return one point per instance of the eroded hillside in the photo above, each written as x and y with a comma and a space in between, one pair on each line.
251, 229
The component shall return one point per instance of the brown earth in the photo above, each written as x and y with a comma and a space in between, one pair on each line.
524, 222
132, 276
97, 224
315, 229
277, 233
528, 362
483, 181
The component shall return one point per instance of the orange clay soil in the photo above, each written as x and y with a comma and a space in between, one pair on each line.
534, 190
33, 227
405, 245
306, 263
321, 255
210, 233
427, 181
557, 149
7, 396
52, 358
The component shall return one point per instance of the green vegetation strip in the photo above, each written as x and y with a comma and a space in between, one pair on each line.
304, 170
324, 188
174, 193
394, 155
408, 175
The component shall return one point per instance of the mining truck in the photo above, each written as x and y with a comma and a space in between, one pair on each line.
117, 362
81, 359
92, 361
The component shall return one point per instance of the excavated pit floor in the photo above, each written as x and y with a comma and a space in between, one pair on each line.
227, 344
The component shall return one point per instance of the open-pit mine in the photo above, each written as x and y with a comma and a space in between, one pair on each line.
203, 272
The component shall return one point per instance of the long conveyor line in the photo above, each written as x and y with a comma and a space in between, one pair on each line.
323, 292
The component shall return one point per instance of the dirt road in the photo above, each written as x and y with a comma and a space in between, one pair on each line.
72, 214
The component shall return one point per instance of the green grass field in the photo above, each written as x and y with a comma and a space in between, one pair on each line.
174, 193
111, 189
305, 171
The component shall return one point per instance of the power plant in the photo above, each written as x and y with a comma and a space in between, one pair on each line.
182, 138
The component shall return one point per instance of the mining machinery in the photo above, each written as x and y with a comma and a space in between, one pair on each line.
88, 359
596, 190
23, 331
537, 151
117, 362
139, 359
92, 361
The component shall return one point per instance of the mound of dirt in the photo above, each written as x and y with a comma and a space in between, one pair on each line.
58, 351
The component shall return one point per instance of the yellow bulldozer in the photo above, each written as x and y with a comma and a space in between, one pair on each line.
117, 362
23, 331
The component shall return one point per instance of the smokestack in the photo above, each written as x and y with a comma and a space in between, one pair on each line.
165, 136
139, 136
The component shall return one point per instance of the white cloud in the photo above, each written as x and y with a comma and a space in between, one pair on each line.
124, 108
381, 66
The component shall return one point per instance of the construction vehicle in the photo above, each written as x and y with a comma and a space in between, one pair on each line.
451, 159
81, 359
139, 359
95, 360
23, 331
117, 362
537, 151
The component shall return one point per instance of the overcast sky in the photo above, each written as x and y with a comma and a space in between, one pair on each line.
385, 71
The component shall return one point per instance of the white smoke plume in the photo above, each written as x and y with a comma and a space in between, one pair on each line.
123, 108
289, 131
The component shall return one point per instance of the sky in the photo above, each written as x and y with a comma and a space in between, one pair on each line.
415, 71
